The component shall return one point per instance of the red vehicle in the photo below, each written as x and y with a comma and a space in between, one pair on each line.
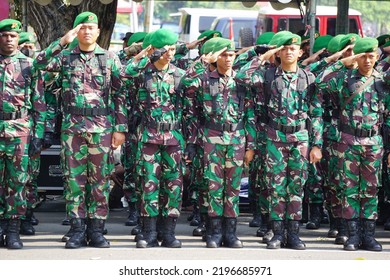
270, 19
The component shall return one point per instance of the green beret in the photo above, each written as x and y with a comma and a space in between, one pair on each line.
163, 37
383, 39
136, 38
210, 34
321, 42
289, 39
386, 44
10, 25
349, 39
85, 17
366, 44
208, 47
264, 38
222, 43
275, 39
306, 38
26, 37
146, 41
334, 43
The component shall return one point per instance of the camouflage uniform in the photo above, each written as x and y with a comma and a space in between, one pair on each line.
360, 147
22, 116
93, 108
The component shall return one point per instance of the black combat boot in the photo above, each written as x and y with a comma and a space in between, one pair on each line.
207, 233
332, 232
342, 233
169, 239
12, 240
279, 238
353, 241
262, 227
34, 220
133, 215
3, 231
256, 220
95, 237
293, 240
201, 228
269, 234
195, 221
386, 225
78, 237
26, 227
214, 240
149, 233
67, 235
314, 216
229, 233
368, 241
138, 228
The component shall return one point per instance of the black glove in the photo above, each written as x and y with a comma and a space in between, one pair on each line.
47, 140
35, 146
261, 49
157, 54
190, 151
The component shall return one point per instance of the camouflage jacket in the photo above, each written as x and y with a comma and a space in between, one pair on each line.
158, 100
86, 88
220, 105
21, 97
363, 113
284, 105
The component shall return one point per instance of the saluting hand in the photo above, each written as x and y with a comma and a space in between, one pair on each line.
270, 53
142, 53
195, 43
212, 57
70, 36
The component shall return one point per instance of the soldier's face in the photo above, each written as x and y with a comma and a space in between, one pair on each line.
8, 42
169, 54
366, 62
88, 34
226, 59
290, 54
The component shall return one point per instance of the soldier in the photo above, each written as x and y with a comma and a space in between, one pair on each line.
361, 103
161, 143
93, 124
225, 115
289, 101
22, 117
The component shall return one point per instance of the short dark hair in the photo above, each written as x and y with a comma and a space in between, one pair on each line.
127, 36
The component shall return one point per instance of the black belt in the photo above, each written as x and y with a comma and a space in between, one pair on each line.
163, 125
358, 132
13, 115
286, 128
229, 127
90, 112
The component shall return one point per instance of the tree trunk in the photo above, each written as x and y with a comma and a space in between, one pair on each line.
54, 20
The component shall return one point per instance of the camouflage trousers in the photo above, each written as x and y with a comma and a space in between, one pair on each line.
258, 190
32, 184
360, 168
286, 165
332, 188
131, 187
223, 170
198, 188
14, 174
160, 169
313, 188
87, 161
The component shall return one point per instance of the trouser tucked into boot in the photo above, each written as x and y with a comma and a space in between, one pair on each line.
26, 227
279, 238
256, 221
332, 233
149, 233
169, 239
12, 240
353, 241
201, 228
342, 233
78, 237
293, 240
229, 233
315, 216
95, 238
368, 240
214, 240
